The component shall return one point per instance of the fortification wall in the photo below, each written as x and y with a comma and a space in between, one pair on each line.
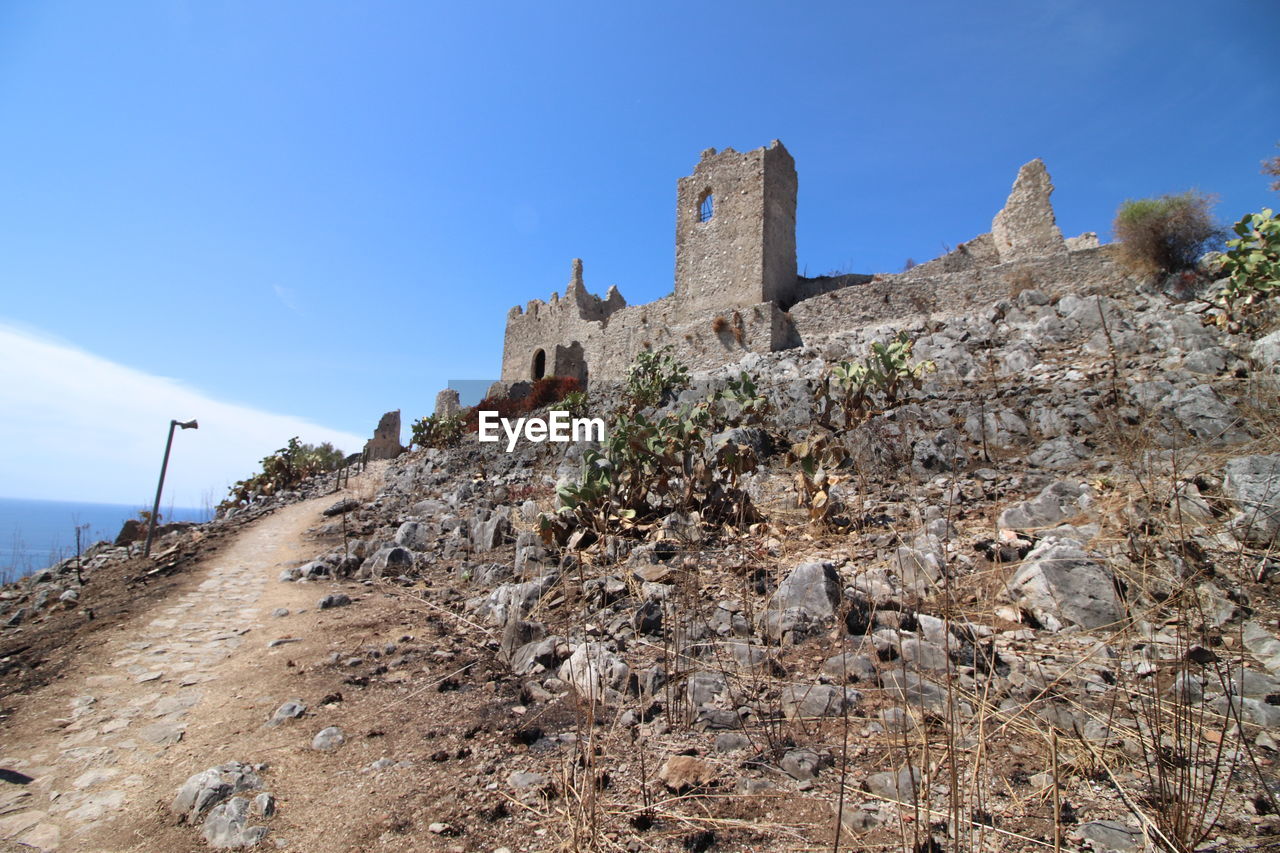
921, 294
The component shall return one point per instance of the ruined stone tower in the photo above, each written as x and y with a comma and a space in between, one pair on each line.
736, 230
736, 287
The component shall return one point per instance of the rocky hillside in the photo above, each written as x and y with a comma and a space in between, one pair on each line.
1035, 602
1028, 604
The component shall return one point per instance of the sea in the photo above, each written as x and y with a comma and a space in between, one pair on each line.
36, 534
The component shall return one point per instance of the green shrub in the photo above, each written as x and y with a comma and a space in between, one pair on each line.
1166, 234
876, 380
653, 376
1251, 264
438, 430
651, 466
575, 403
284, 469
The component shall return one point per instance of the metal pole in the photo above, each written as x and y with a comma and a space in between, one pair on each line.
155, 509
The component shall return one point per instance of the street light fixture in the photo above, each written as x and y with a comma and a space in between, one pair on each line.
155, 510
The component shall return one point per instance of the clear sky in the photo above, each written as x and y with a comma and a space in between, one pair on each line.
323, 210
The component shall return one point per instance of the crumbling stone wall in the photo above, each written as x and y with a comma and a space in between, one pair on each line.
936, 295
385, 443
736, 288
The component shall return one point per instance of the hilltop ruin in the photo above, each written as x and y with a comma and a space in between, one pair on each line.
737, 289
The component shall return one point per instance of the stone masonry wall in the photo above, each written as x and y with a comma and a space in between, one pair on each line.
893, 298
736, 279
746, 252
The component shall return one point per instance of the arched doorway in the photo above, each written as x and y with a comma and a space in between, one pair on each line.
539, 364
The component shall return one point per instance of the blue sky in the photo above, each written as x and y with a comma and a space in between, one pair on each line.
323, 210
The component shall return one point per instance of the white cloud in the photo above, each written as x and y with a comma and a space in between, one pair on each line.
79, 427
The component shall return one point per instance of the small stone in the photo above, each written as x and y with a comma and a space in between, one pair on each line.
264, 804
521, 780
731, 742
1111, 835
801, 764
334, 599
280, 612
328, 739
290, 710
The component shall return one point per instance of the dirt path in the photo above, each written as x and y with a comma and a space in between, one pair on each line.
105, 744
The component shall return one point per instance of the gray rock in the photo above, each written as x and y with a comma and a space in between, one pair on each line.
328, 739
518, 633
1059, 584
731, 742
809, 597
342, 506
1202, 412
922, 654
1059, 453
536, 657
264, 804
1253, 485
225, 826
162, 734
334, 599
706, 689
897, 786
206, 789
17, 617
391, 560
1056, 502
1266, 352
280, 612
490, 529
861, 817
802, 764
592, 669
1110, 835
291, 710
522, 780
850, 667
415, 535
907, 686
511, 600
818, 700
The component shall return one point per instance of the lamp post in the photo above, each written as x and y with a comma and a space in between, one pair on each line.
155, 510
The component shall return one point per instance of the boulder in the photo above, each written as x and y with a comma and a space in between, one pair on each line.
1056, 502
818, 700
1253, 485
806, 600
592, 670
1060, 585
206, 789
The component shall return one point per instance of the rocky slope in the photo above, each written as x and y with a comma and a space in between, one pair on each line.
1043, 604
1039, 609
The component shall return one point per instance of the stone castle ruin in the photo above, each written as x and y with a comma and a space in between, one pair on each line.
737, 289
